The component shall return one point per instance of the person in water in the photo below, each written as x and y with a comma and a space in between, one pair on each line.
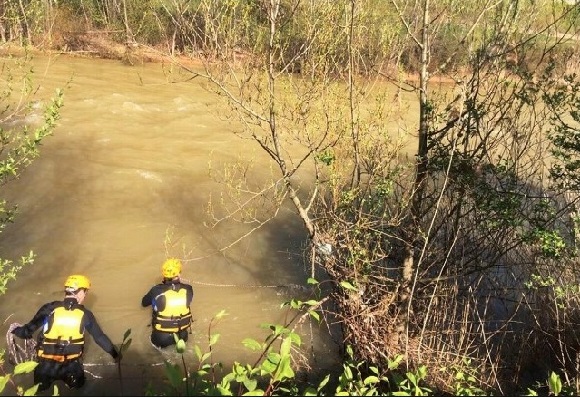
170, 301
61, 342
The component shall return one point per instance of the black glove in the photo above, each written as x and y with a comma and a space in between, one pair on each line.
116, 355
21, 332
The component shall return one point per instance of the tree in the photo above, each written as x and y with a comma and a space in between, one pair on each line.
483, 219
424, 256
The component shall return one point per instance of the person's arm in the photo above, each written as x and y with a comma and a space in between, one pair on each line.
147, 300
27, 330
93, 328
189, 294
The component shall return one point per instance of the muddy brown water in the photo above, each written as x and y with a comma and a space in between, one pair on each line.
122, 184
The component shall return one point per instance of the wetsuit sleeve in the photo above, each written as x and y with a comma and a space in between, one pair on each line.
189, 295
147, 299
93, 328
27, 330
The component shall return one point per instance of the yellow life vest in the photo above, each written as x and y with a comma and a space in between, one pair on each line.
176, 315
63, 337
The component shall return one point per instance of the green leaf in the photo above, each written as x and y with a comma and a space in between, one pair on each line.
197, 351
311, 281
228, 378
268, 367
395, 363
294, 304
277, 329
274, 357
323, 382
238, 369
295, 338
285, 347
3, 381
32, 391
555, 384
252, 344
348, 373
213, 339
284, 369
25, 367
220, 315
180, 346
314, 315
127, 333
347, 285
173, 374
223, 391
250, 384
371, 380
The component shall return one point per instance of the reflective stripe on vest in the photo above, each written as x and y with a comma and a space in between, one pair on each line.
63, 339
176, 315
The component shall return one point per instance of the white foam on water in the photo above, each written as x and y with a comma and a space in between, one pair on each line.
149, 175
132, 106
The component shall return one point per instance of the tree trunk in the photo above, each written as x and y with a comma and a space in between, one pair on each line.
409, 266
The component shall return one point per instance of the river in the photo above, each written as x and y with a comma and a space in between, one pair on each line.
124, 183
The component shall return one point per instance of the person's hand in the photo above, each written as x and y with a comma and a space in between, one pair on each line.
21, 332
116, 355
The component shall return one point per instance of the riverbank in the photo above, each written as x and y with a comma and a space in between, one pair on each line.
99, 46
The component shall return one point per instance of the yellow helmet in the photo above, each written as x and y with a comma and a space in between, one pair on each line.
76, 281
171, 268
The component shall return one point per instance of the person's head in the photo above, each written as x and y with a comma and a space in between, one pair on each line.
77, 286
171, 269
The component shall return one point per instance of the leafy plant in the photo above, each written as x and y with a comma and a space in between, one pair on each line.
20, 143
22, 368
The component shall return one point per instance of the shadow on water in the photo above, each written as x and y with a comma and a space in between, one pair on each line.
126, 168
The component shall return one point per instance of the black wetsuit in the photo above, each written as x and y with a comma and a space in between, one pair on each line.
71, 371
156, 298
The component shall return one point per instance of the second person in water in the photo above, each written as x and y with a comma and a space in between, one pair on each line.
170, 301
